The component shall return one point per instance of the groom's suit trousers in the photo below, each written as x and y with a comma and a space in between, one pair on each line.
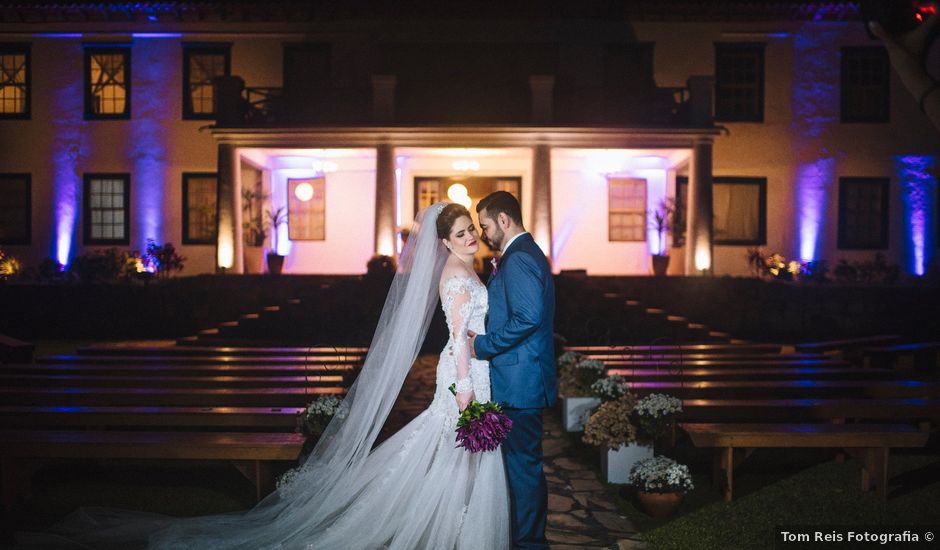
522, 455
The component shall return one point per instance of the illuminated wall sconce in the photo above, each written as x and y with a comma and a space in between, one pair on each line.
458, 193
703, 260
303, 192
466, 165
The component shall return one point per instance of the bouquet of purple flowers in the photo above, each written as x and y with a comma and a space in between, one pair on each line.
481, 426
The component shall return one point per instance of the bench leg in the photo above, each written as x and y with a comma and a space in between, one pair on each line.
8, 480
729, 473
875, 470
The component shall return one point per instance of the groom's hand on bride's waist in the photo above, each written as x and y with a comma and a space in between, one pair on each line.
473, 339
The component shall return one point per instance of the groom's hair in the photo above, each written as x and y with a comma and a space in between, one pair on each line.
501, 202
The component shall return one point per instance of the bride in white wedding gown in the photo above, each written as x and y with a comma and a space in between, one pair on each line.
415, 490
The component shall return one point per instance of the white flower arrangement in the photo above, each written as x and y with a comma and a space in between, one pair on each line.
655, 412
657, 405
325, 405
591, 364
611, 387
569, 358
287, 478
661, 474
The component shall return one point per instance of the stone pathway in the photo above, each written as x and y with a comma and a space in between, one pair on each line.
580, 512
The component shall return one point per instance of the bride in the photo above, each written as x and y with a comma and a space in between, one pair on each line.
416, 489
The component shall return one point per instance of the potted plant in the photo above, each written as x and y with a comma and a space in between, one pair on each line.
611, 427
319, 413
663, 222
276, 218
656, 413
254, 229
661, 484
576, 374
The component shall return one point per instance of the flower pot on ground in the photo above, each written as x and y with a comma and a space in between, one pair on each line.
660, 505
275, 263
660, 265
661, 484
254, 259
616, 463
576, 410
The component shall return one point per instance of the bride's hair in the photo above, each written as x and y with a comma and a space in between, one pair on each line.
450, 214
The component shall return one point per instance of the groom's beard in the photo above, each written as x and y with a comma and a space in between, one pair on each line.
496, 243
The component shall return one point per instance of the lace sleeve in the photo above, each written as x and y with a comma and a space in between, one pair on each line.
456, 296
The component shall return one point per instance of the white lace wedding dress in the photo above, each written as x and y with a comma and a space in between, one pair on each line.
432, 494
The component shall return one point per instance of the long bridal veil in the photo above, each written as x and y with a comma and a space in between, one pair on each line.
297, 513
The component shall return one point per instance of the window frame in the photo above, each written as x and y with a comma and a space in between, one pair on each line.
187, 240
731, 47
95, 48
86, 208
25, 49
28, 238
610, 211
845, 56
841, 236
290, 233
190, 48
683, 205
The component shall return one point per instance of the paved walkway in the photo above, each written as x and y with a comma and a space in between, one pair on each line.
581, 514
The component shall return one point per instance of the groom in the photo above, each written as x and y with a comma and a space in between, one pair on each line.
519, 346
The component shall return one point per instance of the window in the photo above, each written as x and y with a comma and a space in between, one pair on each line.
202, 63
107, 208
15, 209
14, 80
863, 213
626, 209
427, 192
739, 82
306, 209
107, 82
865, 85
739, 210
200, 204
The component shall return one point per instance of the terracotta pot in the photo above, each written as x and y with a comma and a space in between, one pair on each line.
660, 265
660, 505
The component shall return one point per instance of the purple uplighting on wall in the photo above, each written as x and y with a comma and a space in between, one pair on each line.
815, 106
156, 63
917, 188
67, 147
813, 183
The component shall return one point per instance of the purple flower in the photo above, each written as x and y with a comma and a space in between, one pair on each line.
482, 427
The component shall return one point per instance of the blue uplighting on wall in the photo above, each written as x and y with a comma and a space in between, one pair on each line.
813, 183
156, 63
917, 192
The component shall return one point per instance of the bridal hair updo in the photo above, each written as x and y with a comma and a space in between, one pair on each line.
450, 214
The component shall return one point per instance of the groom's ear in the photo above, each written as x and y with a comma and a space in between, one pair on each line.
504, 220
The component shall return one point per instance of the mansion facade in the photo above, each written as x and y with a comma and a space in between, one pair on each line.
318, 132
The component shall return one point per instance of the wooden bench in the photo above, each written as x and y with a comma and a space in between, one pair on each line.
192, 397
233, 418
923, 356
15, 351
704, 389
131, 381
684, 349
177, 370
872, 442
726, 364
137, 349
685, 372
814, 409
845, 344
200, 359
784, 357
251, 453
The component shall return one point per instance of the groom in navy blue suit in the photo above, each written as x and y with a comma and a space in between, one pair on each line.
519, 346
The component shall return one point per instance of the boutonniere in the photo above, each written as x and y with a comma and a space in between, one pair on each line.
495, 262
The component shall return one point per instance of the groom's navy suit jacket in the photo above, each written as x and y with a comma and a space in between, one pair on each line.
519, 335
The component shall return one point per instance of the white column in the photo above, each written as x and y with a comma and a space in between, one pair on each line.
698, 240
385, 228
229, 244
542, 198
